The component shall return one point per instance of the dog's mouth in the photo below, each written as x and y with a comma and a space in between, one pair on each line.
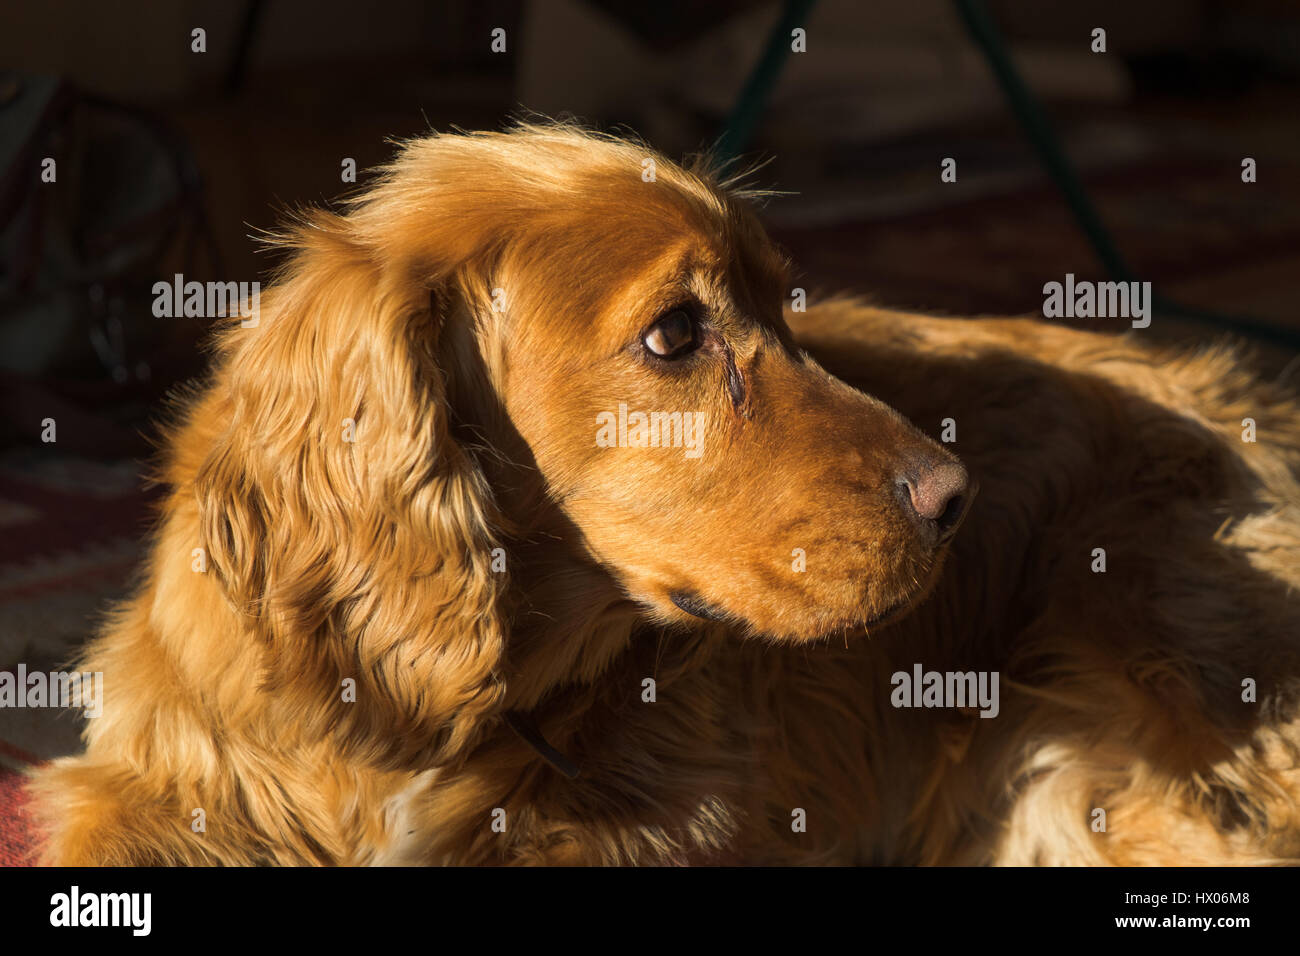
695, 606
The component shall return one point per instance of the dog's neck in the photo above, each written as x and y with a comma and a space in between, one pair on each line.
568, 618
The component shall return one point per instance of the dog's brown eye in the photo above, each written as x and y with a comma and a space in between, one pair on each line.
672, 335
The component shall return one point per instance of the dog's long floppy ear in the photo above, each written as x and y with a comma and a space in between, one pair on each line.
351, 531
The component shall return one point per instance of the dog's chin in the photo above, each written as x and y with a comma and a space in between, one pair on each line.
903, 607
700, 609
893, 614
866, 621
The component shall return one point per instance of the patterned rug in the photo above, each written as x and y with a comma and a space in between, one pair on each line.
71, 533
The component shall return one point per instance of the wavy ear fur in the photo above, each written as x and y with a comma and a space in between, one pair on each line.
348, 528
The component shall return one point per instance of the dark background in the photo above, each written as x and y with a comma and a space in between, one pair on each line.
168, 160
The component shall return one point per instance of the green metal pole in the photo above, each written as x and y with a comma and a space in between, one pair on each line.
1048, 146
758, 88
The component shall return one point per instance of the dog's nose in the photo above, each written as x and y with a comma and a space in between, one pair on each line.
935, 497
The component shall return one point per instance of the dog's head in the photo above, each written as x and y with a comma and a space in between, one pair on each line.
549, 319
630, 313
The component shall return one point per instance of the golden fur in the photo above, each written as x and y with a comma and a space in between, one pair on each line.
469, 316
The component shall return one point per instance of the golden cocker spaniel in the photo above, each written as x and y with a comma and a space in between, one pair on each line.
525, 526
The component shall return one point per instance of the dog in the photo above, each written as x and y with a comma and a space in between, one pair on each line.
530, 525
